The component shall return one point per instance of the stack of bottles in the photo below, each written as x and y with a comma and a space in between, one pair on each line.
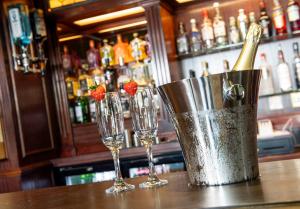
215, 33
109, 66
288, 74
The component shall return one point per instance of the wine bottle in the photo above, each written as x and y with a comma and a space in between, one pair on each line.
247, 55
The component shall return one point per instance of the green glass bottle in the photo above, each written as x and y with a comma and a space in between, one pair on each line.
82, 112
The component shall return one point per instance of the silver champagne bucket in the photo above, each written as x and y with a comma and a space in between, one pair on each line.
215, 118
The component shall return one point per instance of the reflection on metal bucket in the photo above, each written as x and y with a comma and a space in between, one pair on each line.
215, 121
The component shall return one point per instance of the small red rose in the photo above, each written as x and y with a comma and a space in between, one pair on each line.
131, 87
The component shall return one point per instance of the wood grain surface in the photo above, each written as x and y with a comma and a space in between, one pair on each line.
277, 187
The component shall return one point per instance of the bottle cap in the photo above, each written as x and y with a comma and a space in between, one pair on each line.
216, 5
205, 13
263, 56
193, 21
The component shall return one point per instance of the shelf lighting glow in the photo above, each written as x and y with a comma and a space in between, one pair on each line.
70, 38
130, 25
109, 16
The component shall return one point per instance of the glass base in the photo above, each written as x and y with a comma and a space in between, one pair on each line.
153, 182
119, 187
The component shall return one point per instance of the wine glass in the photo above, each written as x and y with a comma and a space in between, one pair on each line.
144, 118
110, 122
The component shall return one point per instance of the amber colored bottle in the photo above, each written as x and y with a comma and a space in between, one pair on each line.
121, 50
278, 18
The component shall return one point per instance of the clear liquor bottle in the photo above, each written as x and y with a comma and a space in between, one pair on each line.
296, 63
264, 20
92, 56
243, 24
219, 27
293, 11
195, 37
207, 31
283, 72
266, 83
182, 40
278, 18
234, 34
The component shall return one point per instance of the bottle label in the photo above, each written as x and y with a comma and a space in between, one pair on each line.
84, 85
279, 21
293, 13
219, 29
207, 33
79, 113
182, 45
234, 36
285, 81
297, 66
195, 41
40, 26
66, 62
70, 89
15, 22
265, 25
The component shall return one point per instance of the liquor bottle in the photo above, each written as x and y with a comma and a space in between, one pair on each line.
207, 31
243, 23
195, 37
252, 18
38, 24
82, 108
247, 56
137, 46
124, 75
234, 34
266, 83
265, 20
283, 72
204, 68
226, 66
182, 40
66, 60
219, 27
121, 49
148, 46
278, 18
106, 53
85, 80
293, 11
72, 84
138, 73
296, 63
111, 77
92, 56
97, 76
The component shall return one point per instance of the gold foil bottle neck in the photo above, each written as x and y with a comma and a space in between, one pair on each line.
247, 56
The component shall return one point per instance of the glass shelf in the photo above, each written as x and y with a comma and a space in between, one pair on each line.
237, 46
279, 93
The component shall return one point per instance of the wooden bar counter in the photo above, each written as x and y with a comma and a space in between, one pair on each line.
278, 187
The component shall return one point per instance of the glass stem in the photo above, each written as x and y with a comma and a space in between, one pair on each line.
150, 160
115, 154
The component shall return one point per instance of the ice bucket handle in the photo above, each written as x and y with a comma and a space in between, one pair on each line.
233, 92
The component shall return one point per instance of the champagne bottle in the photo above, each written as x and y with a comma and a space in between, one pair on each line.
247, 56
